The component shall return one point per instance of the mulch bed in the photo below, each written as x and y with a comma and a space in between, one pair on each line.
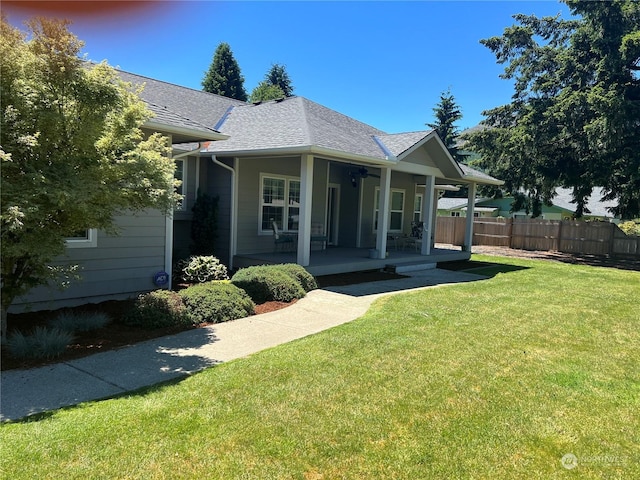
117, 335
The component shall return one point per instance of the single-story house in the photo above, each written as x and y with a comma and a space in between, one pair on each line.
346, 194
562, 207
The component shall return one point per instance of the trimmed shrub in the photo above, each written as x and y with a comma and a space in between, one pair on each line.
201, 269
42, 343
157, 309
267, 283
217, 301
298, 272
80, 322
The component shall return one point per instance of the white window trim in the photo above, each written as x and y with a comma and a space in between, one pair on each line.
91, 241
375, 210
182, 206
419, 212
287, 182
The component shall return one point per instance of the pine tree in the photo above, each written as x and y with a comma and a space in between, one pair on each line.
446, 114
279, 77
224, 77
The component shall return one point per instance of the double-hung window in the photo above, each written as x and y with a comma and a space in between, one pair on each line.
83, 239
279, 202
396, 210
417, 208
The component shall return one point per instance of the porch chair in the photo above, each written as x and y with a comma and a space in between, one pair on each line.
318, 236
287, 241
415, 237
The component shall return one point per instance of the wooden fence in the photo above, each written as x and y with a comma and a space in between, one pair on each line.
586, 238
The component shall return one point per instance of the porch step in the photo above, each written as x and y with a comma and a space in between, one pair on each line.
411, 267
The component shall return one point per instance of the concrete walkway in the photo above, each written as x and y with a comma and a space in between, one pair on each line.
111, 373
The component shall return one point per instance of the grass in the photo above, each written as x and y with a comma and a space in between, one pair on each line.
493, 379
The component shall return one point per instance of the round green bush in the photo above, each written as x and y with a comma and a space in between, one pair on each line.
298, 272
266, 283
217, 301
157, 309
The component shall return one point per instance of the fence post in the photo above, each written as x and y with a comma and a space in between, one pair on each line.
559, 235
510, 220
612, 238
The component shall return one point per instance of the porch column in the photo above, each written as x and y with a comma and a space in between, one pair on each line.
304, 224
468, 231
427, 221
383, 211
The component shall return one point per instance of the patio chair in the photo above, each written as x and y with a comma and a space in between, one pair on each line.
415, 237
318, 236
285, 240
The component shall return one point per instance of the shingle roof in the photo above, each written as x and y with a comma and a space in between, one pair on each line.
173, 120
296, 122
595, 205
201, 107
398, 143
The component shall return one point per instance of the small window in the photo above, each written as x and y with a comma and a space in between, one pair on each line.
455, 214
84, 239
181, 174
476, 214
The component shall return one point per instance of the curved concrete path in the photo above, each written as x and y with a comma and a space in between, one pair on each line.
106, 374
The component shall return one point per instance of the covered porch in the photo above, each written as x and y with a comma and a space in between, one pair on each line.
344, 260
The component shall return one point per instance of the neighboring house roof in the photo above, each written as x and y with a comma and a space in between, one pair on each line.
447, 203
595, 205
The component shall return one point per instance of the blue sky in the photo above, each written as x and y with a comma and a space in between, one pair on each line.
383, 63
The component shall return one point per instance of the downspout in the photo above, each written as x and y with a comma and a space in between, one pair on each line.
232, 232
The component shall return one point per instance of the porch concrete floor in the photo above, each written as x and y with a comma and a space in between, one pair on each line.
343, 260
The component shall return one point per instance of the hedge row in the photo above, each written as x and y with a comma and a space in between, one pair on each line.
219, 300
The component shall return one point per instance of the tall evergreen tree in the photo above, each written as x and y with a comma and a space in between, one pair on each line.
279, 77
446, 114
574, 117
224, 77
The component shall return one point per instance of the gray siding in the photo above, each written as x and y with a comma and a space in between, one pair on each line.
118, 267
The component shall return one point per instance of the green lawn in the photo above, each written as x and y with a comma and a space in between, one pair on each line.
492, 379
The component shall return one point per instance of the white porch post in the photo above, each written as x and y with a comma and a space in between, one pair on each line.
383, 211
468, 231
304, 225
427, 222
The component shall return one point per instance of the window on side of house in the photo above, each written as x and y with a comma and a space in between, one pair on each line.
417, 208
455, 214
84, 239
279, 202
181, 174
396, 210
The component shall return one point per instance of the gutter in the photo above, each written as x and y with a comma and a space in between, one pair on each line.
232, 213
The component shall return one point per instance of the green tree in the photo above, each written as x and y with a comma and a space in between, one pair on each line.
224, 77
265, 91
279, 77
446, 114
575, 113
72, 152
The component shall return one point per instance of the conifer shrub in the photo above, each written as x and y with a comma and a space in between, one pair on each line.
43, 342
266, 283
216, 301
300, 274
157, 309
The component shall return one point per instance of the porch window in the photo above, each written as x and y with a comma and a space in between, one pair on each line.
279, 202
181, 174
396, 210
417, 208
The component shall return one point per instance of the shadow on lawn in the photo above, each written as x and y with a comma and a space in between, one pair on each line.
486, 269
